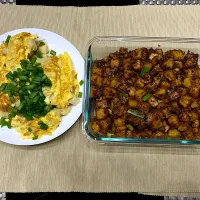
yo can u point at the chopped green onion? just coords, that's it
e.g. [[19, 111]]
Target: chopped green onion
[[146, 97], [5, 122], [3, 86], [11, 115], [39, 54], [36, 115], [41, 44], [21, 105], [14, 83], [33, 60], [144, 71], [28, 117], [33, 94], [40, 122], [80, 95], [47, 108], [8, 39], [52, 52], [35, 137], [81, 82], [44, 126], [12, 99], [134, 113], [23, 78], [10, 76], [29, 129], [30, 87], [35, 99], [110, 135], [12, 109], [130, 127], [23, 63]]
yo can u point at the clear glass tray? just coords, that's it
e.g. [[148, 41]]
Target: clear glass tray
[[99, 47]]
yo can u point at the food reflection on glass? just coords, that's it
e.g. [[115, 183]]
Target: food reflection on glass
[[146, 93], [37, 87]]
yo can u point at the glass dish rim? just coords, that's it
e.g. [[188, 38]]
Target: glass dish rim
[[144, 141]]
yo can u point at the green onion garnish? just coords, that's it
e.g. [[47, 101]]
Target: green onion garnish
[[8, 39], [80, 94], [144, 71], [41, 44], [146, 97], [5, 122], [23, 63], [33, 60], [130, 127], [23, 78], [39, 54], [10, 76], [134, 113], [29, 129], [35, 137], [12, 99], [110, 135], [52, 52], [81, 82]]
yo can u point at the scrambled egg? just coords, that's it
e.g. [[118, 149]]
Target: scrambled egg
[[62, 94], [52, 118]]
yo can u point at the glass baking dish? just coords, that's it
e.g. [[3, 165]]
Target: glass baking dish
[[99, 47]]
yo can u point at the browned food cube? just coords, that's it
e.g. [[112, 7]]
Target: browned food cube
[[165, 84], [137, 66], [185, 101], [193, 115], [101, 103], [159, 135], [114, 63], [139, 94], [115, 83], [187, 82], [153, 101], [137, 53], [195, 104], [173, 120], [101, 113], [160, 93], [106, 81], [95, 127], [169, 74], [159, 51], [168, 64], [174, 133], [95, 92], [183, 127], [175, 54], [132, 103], [191, 59], [97, 70], [120, 131], [96, 80], [131, 91], [194, 92], [109, 92], [195, 124], [139, 83], [119, 122], [105, 125]]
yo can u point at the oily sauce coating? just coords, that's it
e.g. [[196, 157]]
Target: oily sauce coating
[[146, 93]]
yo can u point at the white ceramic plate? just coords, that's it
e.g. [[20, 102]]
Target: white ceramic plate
[[60, 45]]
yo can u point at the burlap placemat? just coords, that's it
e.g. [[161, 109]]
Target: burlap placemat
[[71, 162]]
